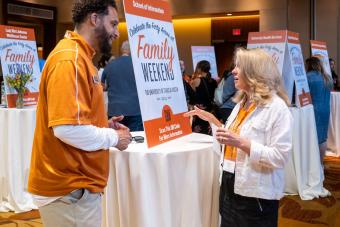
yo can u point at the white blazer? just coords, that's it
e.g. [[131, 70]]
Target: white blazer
[[261, 174]]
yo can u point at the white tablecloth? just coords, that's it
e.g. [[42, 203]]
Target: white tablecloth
[[303, 173], [174, 184], [16, 137], [333, 142]]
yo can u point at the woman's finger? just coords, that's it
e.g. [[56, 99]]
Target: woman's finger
[[190, 113], [221, 130]]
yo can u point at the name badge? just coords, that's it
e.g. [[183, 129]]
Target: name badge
[[229, 165]]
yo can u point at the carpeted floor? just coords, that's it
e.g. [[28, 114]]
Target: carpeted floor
[[318, 212], [293, 211]]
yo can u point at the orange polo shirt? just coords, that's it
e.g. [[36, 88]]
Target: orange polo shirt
[[70, 94]]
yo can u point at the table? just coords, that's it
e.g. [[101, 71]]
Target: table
[[333, 141], [16, 137], [174, 184], [175, 190], [303, 173], [184, 189]]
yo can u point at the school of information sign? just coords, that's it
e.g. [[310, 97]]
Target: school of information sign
[[156, 66]]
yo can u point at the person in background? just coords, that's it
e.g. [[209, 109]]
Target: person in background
[[41, 63], [204, 87], [229, 91], [320, 85], [185, 76], [103, 61], [256, 142], [336, 80], [121, 88], [189, 92], [40, 57], [70, 158]]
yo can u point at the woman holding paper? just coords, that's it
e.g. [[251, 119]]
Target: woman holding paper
[[256, 142]]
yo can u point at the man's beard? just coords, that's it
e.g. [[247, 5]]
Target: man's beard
[[103, 37]]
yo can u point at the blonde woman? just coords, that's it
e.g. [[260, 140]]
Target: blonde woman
[[256, 142]]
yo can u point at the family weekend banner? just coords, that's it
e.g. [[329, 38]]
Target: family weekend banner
[[319, 48], [207, 53], [284, 47], [157, 71], [19, 54]]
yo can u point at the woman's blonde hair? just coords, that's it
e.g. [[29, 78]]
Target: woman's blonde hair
[[261, 75]]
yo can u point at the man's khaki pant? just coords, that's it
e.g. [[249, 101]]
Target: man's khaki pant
[[80, 208]]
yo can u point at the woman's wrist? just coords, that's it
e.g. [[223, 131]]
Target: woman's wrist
[[215, 121], [244, 145]]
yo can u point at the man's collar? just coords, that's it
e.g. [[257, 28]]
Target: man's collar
[[89, 50]]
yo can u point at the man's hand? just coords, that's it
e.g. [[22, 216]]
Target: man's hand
[[124, 138], [114, 122]]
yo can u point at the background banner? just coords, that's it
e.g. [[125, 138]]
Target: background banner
[[207, 53], [284, 47], [19, 54], [319, 48], [297, 66], [157, 71]]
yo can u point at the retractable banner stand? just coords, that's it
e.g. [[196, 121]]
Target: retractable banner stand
[[207, 53], [18, 52], [157, 71], [284, 47], [319, 48]]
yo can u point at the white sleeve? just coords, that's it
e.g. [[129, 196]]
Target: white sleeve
[[277, 152], [86, 137]]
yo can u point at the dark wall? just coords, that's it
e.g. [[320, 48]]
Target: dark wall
[[225, 42], [45, 29]]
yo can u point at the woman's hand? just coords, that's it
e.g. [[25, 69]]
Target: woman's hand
[[204, 115], [224, 136]]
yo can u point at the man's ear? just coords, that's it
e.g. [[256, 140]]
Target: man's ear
[[94, 19]]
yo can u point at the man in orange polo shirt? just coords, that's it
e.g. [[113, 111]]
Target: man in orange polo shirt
[[69, 165]]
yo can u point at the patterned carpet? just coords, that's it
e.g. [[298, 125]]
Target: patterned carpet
[[318, 212], [293, 211]]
